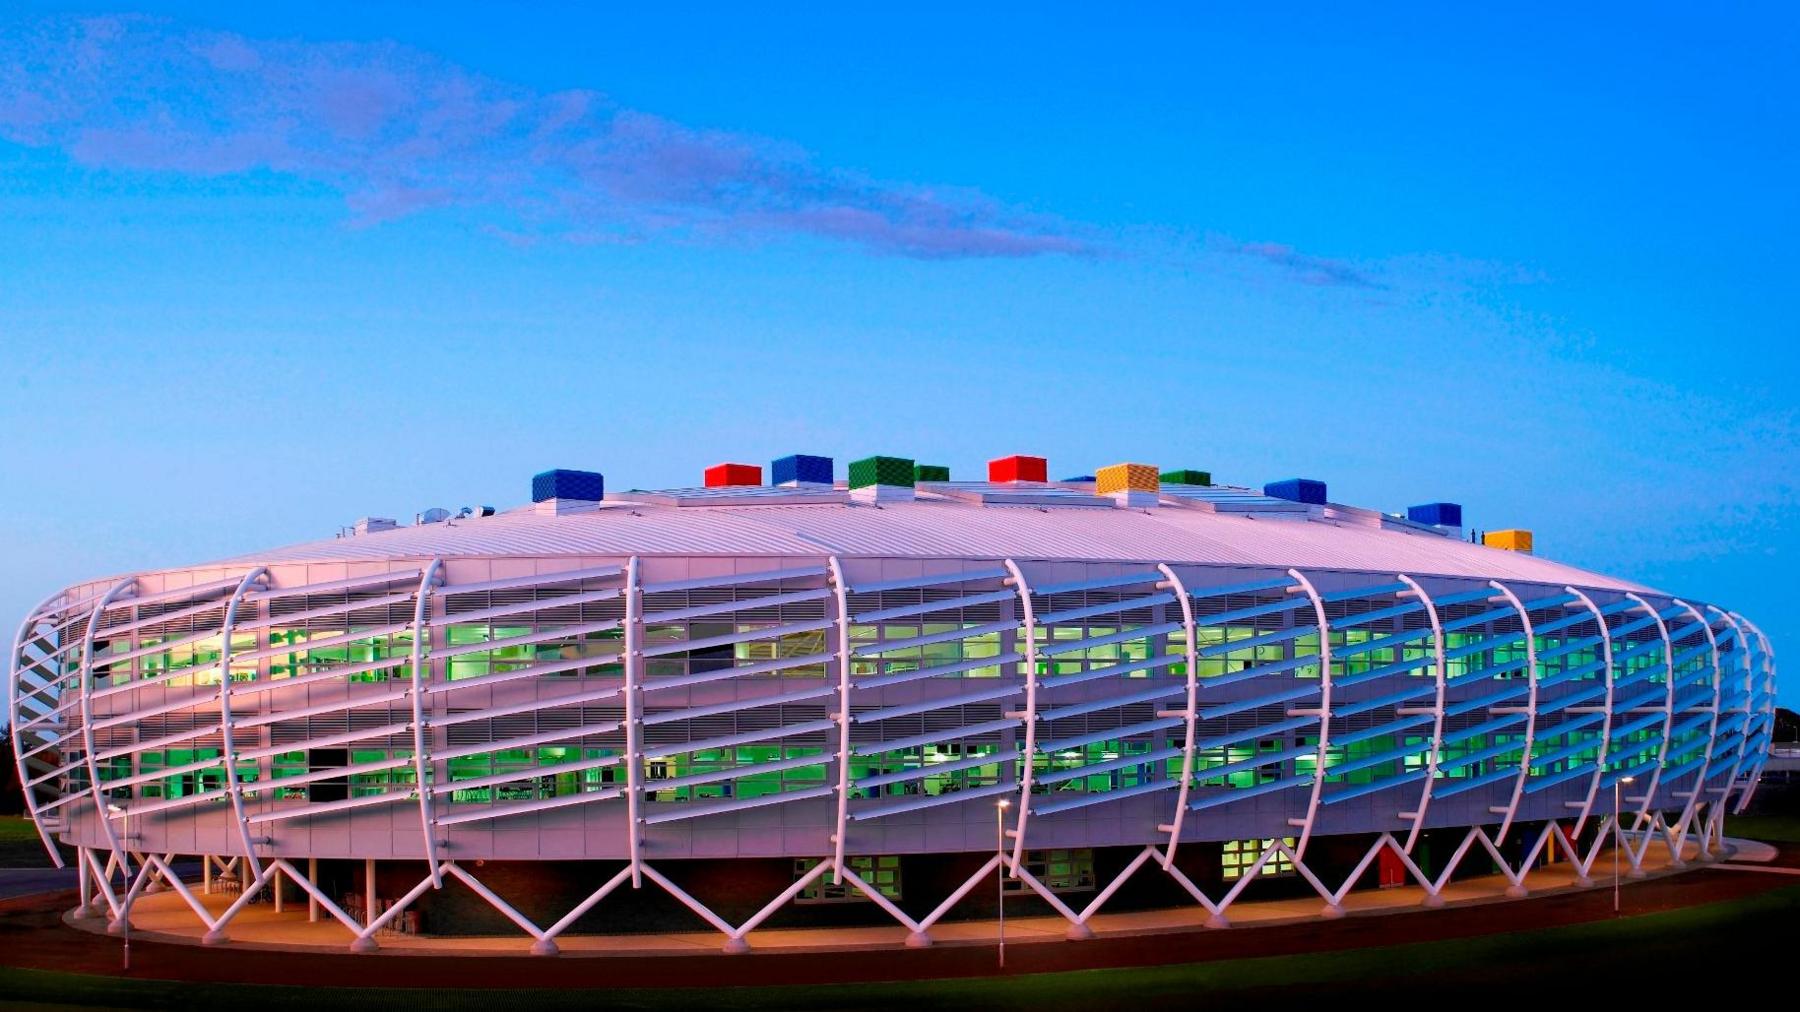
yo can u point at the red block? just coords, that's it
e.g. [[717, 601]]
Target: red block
[[724, 475], [1018, 469]]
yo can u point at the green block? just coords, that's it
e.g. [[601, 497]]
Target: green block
[[881, 471], [930, 472], [1187, 477]]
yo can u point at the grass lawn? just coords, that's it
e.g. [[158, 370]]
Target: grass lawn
[[19, 844], [1783, 827], [1582, 960]]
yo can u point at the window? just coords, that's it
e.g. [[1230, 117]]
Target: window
[[1061, 871], [881, 872], [1240, 856]]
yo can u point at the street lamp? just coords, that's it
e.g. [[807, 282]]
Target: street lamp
[[1618, 838], [125, 865], [1000, 808]]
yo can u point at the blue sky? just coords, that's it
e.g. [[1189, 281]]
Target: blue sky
[[1535, 261]]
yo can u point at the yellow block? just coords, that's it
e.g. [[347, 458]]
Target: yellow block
[[1512, 541], [1127, 478]]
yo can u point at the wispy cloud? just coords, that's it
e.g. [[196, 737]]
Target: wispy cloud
[[1307, 269], [399, 131]]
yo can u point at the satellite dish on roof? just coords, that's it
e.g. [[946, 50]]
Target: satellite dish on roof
[[434, 515]]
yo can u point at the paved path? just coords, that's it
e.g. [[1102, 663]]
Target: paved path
[[15, 882]]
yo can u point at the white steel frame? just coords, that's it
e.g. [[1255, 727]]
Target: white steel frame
[[38, 652]]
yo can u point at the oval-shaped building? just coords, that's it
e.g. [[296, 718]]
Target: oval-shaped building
[[803, 699]]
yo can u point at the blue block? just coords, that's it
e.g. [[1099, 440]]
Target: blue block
[[1440, 514], [1297, 490], [1080, 477], [561, 484], [800, 467]]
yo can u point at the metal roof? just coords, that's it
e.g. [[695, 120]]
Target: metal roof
[[944, 527]]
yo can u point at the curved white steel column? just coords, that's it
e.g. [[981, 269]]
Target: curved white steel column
[[87, 710], [1442, 684], [1028, 771], [1743, 742], [1662, 750], [634, 717], [14, 718], [1606, 719], [1712, 728], [841, 595], [1190, 715], [1318, 784], [1768, 713], [1531, 693], [227, 741], [421, 761]]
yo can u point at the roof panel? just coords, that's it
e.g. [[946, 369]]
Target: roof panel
[[943, 527]]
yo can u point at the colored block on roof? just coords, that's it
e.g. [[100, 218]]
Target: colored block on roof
[[565, 484], [1303, 490], [1439, 514], [1186, 477], [726, 475], [881, 471], [1019, 468], [1126, 478], [1509, 540], [930, 472], [800, 468]]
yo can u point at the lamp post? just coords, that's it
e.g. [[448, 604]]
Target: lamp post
[[1000, 808], [1618, 839], [125, 866]]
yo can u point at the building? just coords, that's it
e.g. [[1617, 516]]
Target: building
[[808, 700]]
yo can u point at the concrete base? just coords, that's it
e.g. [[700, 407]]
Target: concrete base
[[1634, 873], [1218, 921], [1584, 883], [1078, 933], [1432, 901], [115, 926], [544, 947], [214, 937], [918, 940], [736, 946], [1517, 891], [363, 946], [1331, 911]]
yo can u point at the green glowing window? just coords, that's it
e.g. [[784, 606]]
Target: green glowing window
[[1061, 871], [881, 872], [1239, 856]]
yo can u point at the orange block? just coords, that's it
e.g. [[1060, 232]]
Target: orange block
[[1511, 540], [1127, 478]]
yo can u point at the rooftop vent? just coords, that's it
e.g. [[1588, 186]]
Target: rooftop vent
[[587, 486], [800, 469], [1437, 514], [1019, 468], [1509, 540], [434, 515], [930, 472], [1185, 476], [729, 475], [1134, 485], [1303, 490], [881, 479], [370, 525]]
